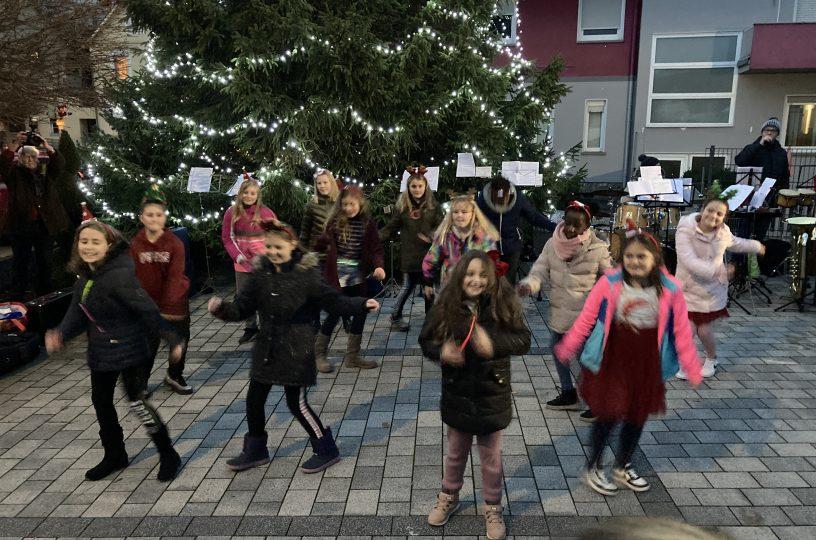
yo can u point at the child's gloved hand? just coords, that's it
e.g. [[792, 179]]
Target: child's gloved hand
[[481, 342], [451, 355], [523, 289], [214, 304], [372, 305]]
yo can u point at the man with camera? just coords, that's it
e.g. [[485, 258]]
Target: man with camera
[[35, 214]]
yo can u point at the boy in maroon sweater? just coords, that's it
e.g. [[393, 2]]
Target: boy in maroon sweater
[[159, 258]]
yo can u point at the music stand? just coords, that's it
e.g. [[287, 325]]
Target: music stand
[[750, 176]]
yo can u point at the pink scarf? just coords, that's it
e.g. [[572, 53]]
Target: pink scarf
[[566, 248]]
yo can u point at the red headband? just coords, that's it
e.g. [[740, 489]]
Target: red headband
[[273, 225], [581, 207], [633, 230], [417, 171], [501, 266]]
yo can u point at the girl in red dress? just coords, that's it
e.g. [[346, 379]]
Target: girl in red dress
[[634, 330]]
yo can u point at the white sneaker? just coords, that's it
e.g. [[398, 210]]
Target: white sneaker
[[709, 367], [681, 375], [627, 477], [596, 479]]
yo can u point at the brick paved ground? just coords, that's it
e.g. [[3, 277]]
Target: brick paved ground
[[738, 453]]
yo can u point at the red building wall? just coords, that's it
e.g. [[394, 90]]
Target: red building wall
[[550, 27]]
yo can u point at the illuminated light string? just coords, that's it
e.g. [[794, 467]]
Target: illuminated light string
[[517, 62]]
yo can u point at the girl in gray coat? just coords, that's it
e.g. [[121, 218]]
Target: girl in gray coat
[[571, 262]]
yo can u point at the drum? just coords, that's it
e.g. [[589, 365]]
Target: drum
[[787, 198], [634, 211], [669, 218], [616, 240], [807, 197]]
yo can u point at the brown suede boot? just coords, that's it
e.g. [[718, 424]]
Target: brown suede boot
[[353, 358], [321, 353]]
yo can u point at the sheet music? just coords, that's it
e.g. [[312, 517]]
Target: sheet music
[[432, 175], [465, 165], [199, 180], [742, 193], [233, 191], [522, 173], [484, 172], [762, 193]]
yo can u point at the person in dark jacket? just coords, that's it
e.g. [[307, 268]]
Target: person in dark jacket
[[504, 206], [35, 214], [119, 317], [284, 288], [160, 258], [416, 216], [766, 152], [354, 253], [473, 329]]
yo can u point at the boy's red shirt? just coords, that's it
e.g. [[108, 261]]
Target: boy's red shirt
[[160, 270]]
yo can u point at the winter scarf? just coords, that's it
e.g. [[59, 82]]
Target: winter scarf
[[567, 248]]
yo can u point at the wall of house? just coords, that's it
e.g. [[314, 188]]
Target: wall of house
[[757, 96]]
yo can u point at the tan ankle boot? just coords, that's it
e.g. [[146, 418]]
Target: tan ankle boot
[[321, 353], [494, 522], [353, 358]]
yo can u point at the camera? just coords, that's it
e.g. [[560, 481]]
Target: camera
[[33, 138]]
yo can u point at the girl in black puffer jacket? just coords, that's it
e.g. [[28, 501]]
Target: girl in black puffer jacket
[[474, 328], [285, 289], [120, 319]]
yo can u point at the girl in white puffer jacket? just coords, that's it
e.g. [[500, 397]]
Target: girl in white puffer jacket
[[702, 240]]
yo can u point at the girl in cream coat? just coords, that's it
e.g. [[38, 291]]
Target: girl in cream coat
[[702, 240], [570, 263]]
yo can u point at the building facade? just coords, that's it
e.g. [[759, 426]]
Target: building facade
[[671, 79]]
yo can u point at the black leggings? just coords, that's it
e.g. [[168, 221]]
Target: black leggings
[[103, 384], [175, 369], [409, 283], [357, 322], [629, 437], [295, 400]]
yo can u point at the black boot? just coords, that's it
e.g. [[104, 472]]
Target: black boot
[[254, 454], [566, 401], [169, 460], [115, 459], [249, 335], [325, 455]]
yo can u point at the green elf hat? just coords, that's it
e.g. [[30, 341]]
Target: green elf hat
[[154, 194]]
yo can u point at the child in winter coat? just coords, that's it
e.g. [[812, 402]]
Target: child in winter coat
[[242, 236], [465, 228], [159, 256], [284, 288], [473, 329], [633, 330], [353, 253], [416, 215], [505, 206], [570, 263], [119, 317], [318, 209], [702, 240]]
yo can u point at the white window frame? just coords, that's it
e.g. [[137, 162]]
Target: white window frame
[[602, 148], [513, 39], [796, 99], [581, 38], [732, 95]]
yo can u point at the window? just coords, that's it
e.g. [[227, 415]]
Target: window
[[693, 80], [600, 20], [594, 125], [701, 163], [55, 127], [505, 21], [800, 121], [87, 127], [120, 67], [805, 11]]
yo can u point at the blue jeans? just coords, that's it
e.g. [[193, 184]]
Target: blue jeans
[[564, 374]]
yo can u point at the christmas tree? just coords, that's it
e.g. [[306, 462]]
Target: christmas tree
[[360, 87]]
